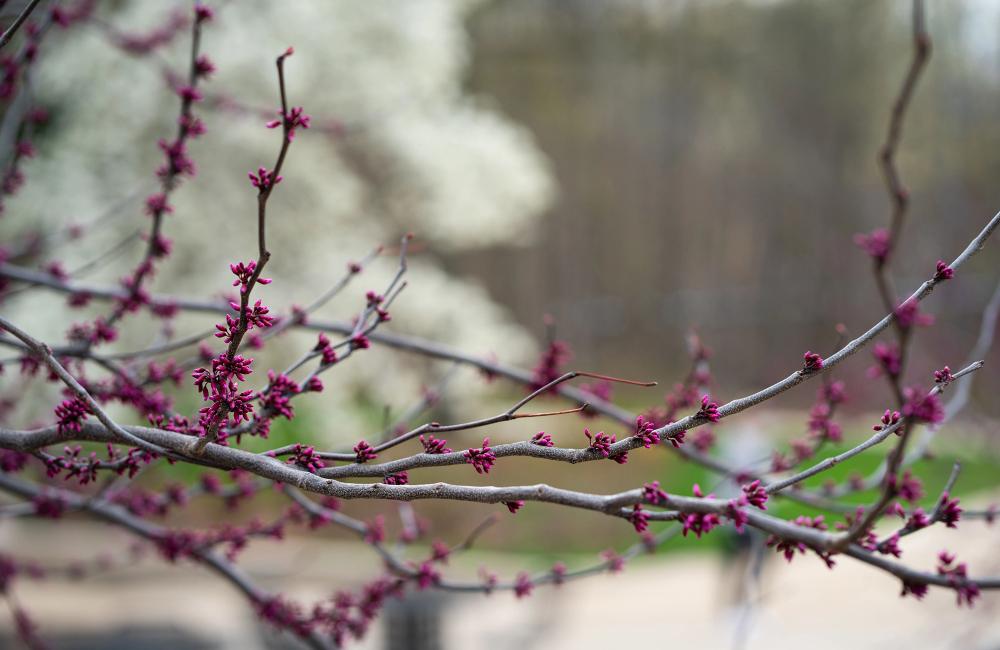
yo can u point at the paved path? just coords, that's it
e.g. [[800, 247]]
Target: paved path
[[675, 601]]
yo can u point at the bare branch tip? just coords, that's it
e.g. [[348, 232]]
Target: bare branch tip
[[548, 413], [619, 380]]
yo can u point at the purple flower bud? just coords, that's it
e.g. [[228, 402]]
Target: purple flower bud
[[203, 66], [70, 415], [156, 204], [889, 418], [909, 487], [264, 179], [917, 589], [440, 552], [908, 314], [202, 13], [189, 94], [949, 511], [943, 376], [918, 519], [558, 573], [734, 512], [697, 522], [489, 580], [542, 439], [943, 272], [375, 530], [891, 546], [427, 576], [652, 494], [645, 432], [364, 452], [756, 495], [922, 406], [709, 410], [523, 585], [305, 457], [481, 459], [556, 355], [614, 562], [400, 478], [639, 518], [889, 359], [704, 439], [434, 445], [876, 244], [811, 362], [600, 443]]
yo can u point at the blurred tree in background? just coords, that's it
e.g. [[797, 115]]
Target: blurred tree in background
[[397, 145]]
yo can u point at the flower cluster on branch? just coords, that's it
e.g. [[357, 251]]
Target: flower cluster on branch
[[48, 474]]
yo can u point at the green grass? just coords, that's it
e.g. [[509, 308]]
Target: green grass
[[978, 473]]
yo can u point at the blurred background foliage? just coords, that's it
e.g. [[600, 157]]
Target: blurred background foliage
[[714, 160]]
